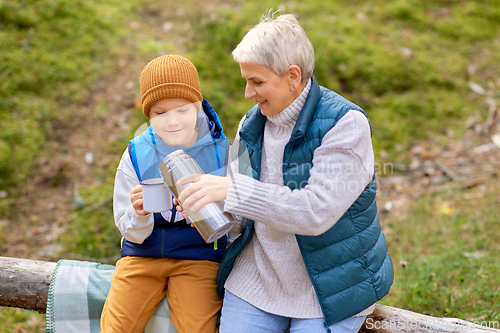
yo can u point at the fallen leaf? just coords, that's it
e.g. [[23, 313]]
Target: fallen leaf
[[167, 27], [406, 51], [496, 140], [446, 210], [473, 182], [89, 158], [476, 88], [361, 16], [483, 148]]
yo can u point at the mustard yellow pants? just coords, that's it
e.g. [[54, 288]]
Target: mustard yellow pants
[[139, 284]]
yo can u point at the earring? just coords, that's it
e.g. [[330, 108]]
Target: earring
[[293, 88]]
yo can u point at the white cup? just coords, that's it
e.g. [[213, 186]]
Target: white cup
[[156, 196]]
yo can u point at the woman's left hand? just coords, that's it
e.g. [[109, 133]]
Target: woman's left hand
[[203, 190]]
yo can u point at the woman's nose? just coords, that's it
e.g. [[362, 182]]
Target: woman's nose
[[249, 92]]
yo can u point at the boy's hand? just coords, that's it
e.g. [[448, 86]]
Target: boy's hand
[[203, 190], [136, 199], [179, 208]]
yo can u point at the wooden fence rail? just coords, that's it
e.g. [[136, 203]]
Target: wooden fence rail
[[25, 284]]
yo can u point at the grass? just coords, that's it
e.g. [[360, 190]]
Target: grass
[[21, 321], [408, 63], [44, 47], [445, 252]]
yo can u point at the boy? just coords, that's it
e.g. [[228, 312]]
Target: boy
[[161, 254]]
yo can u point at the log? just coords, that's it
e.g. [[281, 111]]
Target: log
[[25, 284], [387, 319]]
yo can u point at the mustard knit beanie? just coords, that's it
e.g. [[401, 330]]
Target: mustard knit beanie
[[169, 76]]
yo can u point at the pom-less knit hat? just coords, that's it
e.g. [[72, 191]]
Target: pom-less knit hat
[[169, 76]]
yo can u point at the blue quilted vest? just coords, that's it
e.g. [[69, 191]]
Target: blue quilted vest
[[349, 265], [170, 238]]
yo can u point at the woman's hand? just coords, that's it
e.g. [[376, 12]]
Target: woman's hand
[[137, 201], [203, 190]]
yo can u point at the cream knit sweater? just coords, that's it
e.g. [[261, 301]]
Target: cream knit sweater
[[270, 272]]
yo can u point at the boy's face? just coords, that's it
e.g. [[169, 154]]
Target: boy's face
[[174, 120]]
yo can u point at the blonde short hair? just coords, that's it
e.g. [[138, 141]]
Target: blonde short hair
[[277, 43]]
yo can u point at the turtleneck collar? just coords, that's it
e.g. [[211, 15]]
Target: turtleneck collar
[[288, 117]]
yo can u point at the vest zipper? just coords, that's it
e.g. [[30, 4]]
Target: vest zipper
[[174, 214], [162, 243]]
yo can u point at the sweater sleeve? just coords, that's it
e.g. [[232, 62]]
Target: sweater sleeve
[[342, 167], [133, 227]]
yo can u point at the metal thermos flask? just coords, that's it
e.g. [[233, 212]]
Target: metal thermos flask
[[211, 221]]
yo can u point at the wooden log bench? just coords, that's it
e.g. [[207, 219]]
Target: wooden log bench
[[25, 284]]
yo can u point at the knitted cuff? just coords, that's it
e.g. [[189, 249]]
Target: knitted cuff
[[246, 197]]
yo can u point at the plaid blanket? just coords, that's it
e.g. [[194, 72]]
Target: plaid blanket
[[76, 297]]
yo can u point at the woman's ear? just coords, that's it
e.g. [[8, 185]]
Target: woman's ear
[[294, 76]]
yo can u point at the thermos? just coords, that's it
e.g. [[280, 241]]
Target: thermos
[[211, 221]]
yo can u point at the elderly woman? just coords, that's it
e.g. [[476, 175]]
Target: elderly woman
[[312, 255]]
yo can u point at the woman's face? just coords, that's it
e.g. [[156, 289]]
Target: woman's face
[[273, 93], [174, 120]]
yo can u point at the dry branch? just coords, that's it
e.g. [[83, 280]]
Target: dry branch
[[25, 284]]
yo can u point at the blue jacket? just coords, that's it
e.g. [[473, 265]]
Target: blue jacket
[[178, 240], [349, 265]]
